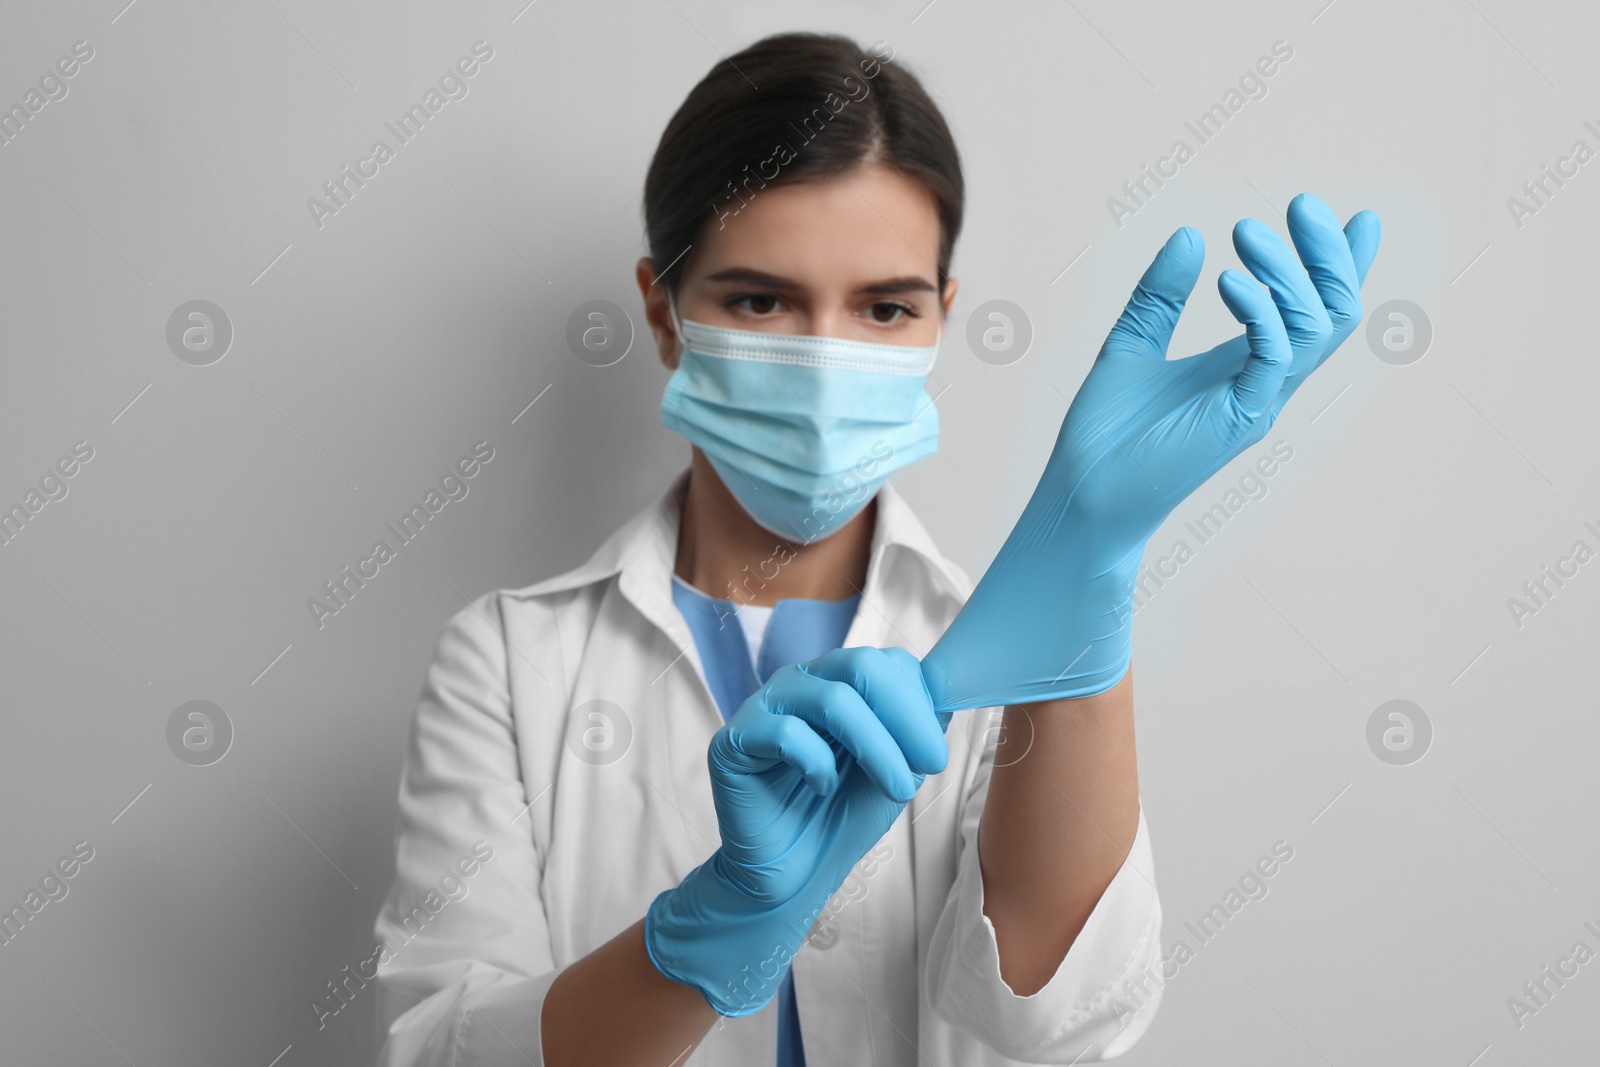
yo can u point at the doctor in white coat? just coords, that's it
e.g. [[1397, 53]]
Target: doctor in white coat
[[696, 801], [559, 750]]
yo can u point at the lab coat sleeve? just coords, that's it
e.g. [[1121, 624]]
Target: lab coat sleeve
[[1103, 994], [469, 958]]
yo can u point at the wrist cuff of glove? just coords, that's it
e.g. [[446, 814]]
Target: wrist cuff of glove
[[1082, 647], [1098, 634], [1110, 667], [713, 936]]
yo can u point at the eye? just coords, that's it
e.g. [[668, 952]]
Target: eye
[[755, 303], [889, 312]]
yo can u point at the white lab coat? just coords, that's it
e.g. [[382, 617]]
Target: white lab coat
[[588, 819]]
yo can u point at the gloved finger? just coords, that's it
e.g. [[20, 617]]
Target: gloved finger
[[1259, 380], [1276, 266], [912, 667], [896, 696], [758, 739], [1362, 233], [836, 710], [1146, 324], [1325, 254]]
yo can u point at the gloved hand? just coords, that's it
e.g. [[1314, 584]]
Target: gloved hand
[[1052, 616], [806, 776]]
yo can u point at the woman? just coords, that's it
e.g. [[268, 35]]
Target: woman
[[698, 800]]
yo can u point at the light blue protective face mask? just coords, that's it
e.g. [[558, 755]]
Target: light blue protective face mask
[[803, 430]]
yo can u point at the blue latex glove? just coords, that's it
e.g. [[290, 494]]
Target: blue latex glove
[[806, 776], [1052, 617]]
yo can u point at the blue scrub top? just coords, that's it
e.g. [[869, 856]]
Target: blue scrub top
[[797, 630]]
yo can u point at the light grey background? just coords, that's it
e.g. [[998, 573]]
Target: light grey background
[[369, 354]]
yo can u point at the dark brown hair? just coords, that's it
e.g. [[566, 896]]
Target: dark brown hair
[[820, 100]]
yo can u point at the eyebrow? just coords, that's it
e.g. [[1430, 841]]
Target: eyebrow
[[910, 283]]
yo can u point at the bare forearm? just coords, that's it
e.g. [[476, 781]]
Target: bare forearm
[[614, 1007], [1057, 824]]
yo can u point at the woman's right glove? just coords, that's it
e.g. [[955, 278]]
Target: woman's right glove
[[806, 776]]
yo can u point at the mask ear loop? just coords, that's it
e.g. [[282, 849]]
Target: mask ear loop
[[677, 326], [938, 342]]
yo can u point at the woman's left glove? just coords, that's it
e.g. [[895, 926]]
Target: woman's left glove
[[1052, 617], [806, 776]]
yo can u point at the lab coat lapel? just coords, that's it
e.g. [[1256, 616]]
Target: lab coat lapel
[[681, 713]]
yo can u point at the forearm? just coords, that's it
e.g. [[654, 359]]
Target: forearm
[[1057, 824], [614, 1007]]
